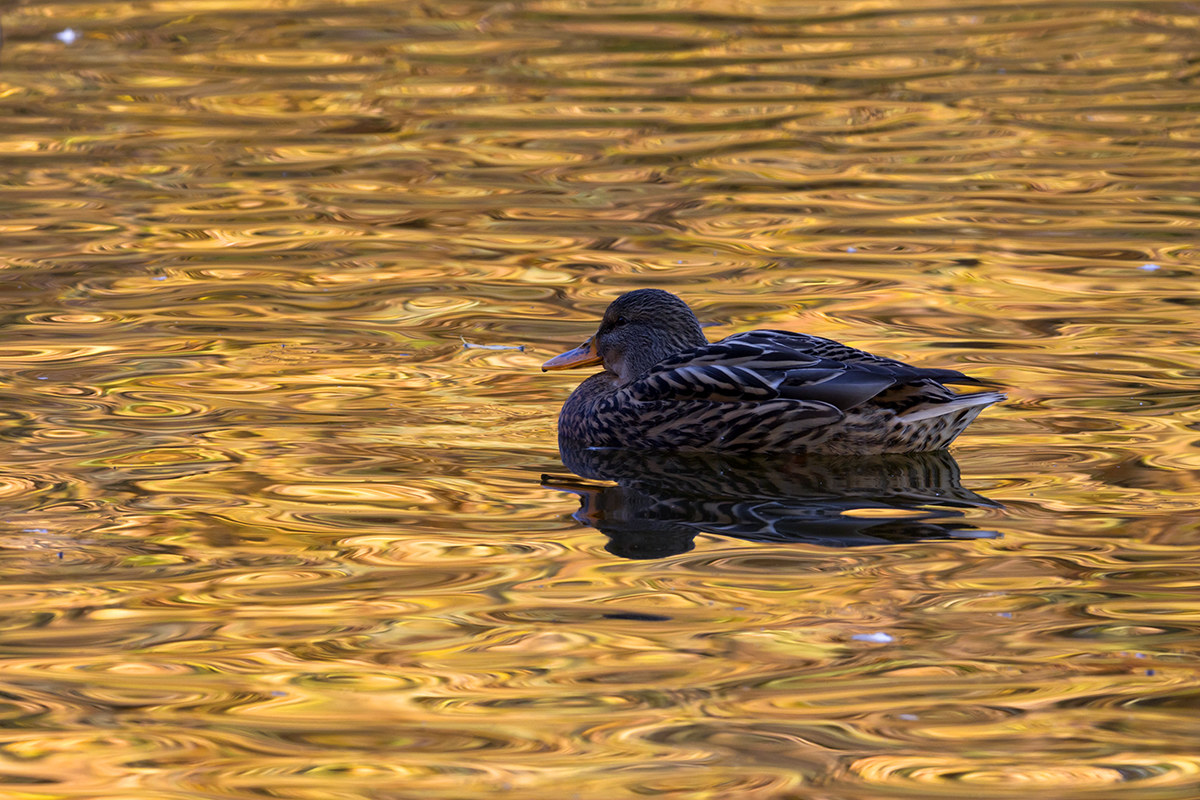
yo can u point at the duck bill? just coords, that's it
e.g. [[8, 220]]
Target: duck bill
[[583, 356]]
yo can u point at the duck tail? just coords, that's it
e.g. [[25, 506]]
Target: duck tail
[[977, 401]]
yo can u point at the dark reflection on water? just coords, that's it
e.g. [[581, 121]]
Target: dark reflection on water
[[661, 501]]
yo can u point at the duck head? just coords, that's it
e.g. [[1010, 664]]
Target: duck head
[[639, 329]]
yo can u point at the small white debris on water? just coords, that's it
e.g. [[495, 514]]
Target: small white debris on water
[[1149, 267], [67, 35], [877, 636], [472, 346]]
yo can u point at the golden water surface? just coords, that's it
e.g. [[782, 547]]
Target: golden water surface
[[283, 512]]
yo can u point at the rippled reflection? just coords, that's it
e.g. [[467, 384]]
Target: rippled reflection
[[661, 501], [269, 530]]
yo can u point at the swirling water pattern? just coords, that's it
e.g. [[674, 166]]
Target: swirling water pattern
[[271, 530]]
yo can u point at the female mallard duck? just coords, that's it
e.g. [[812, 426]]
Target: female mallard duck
[[665, 387]]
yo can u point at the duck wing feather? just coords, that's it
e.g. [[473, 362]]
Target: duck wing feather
[[768, 365]]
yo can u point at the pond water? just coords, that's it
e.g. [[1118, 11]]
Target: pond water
[[275, 526]]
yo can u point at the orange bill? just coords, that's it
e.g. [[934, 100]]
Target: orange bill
[[583, 356]]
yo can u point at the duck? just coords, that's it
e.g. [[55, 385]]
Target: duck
[[663, 386]]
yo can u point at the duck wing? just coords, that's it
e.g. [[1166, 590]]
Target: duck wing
[[767, 365], [815, 346]]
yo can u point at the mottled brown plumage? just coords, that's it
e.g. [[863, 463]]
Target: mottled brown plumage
[[665, 387]]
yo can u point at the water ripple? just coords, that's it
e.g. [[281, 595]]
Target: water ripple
[[270, 528]]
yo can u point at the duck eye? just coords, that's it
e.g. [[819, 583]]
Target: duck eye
[[620, 321]]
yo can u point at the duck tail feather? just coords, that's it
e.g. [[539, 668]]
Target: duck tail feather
[[977, 400]]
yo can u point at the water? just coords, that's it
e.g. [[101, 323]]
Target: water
[[271, 530]]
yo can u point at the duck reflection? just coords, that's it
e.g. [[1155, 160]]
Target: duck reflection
[[662, 500]]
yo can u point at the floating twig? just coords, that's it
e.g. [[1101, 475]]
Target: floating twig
[[472, 346]]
